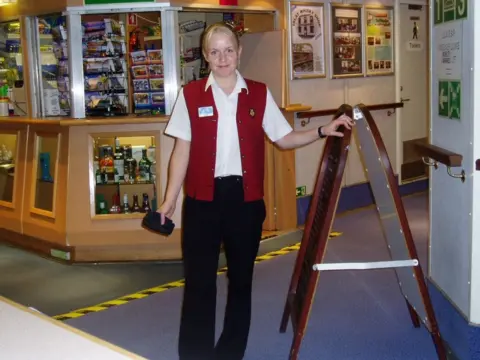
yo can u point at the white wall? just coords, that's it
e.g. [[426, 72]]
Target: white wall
[[453, 243], [327, 93]]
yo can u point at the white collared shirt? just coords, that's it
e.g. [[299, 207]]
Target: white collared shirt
[[228, 161]]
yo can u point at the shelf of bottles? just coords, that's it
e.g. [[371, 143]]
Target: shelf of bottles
[[53, 39], [125, 175], [12, 91]]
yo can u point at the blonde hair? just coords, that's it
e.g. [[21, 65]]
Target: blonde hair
[[220, 27]]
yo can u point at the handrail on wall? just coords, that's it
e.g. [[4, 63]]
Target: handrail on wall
[[441, 155], [327, 112]]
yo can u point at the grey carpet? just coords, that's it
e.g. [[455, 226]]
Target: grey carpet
[[356, 315], [55, 288]]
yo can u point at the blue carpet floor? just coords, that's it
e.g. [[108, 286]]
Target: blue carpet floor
[[357, 315]]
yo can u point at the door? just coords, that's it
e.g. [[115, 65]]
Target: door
[[414, 77]]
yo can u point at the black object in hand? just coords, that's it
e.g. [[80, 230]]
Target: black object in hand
[[153, 221]]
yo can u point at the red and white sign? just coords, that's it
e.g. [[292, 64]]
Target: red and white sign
[[228, 2], [132, 20]]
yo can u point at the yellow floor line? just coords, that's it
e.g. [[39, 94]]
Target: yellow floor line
[[175, 284]]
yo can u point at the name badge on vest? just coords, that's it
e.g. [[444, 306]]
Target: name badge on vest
[[205, 111]]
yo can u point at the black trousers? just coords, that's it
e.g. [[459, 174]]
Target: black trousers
[[206, 224]]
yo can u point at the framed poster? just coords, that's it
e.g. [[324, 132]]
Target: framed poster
[[307, 40], [347, 35], [379, 52]]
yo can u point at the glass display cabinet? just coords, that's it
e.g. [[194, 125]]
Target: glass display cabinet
[[12, 89], [125, 171], [8, 152], [46, 148]]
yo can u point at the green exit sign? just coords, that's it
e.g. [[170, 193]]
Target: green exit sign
[[449, 10], [301, 191]]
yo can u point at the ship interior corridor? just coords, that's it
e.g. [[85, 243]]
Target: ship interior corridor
[[356, 314]]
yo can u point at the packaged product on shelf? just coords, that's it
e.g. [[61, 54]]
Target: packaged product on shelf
[[156, 84], [138, 57], [139, 71], [155, 70], [96, 83], [158, 99], [155, 56], [105, 67], [141, 99], [140, 85]]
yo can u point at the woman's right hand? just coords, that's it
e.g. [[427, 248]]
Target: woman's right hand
[[167, 209]]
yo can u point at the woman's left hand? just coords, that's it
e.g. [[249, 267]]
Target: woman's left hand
[[331, 129]]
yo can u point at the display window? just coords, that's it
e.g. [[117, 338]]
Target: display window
[[53, 58], [12, 89], [125, 175], [47, 146], [8, 150]]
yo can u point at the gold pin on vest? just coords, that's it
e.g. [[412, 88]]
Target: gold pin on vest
[[252, 113]]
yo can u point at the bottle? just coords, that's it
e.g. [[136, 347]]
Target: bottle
[[153, 163], [103, 208], [104, 176], [154, 199], [98, 177], [116, 176], [131, 165], [106, 162], [126, 207], [146, 204], [144, 167], [119, 160], [115, 209], [135, 207]]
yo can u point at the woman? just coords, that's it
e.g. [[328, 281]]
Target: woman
[[219, 124]]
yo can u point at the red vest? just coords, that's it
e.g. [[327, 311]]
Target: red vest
[[199, 180]]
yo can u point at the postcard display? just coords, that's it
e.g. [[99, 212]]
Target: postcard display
[[105, 69], [54, 65]]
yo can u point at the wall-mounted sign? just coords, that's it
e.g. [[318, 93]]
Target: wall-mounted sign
[[307, 34], [449, 10], [414, 45], [347, 48], [448, 50], [379, 41]]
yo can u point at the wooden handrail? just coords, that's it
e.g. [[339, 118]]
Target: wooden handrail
[[439, 154], [327, 112]]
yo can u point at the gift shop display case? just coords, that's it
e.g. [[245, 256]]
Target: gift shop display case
[[83, 154]]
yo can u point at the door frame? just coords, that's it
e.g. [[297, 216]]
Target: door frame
[[398, 73]]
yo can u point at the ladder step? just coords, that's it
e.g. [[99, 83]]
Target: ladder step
[[366, 265]]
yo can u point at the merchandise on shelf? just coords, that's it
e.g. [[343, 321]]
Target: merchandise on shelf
[[54, 64], [147, 81], [106, 84], [192, 63], [122, 169]]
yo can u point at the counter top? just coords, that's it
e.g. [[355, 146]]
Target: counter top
[[116, 120], [65, 121], [120, 120]]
